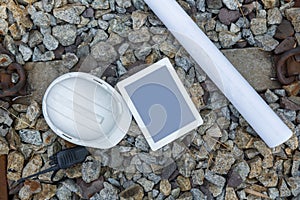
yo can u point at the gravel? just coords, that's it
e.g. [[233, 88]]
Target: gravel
[[35, 38], [91, 169], [258, 26], [69, 13], [31, 136], [146, 184], [65, 34], [41, 19], [215, 179], [50, 42], [25, 51], [3, 27], [4, 149], [223, 159], [266, 42]]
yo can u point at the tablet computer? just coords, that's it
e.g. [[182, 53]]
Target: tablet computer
[[160, 104]]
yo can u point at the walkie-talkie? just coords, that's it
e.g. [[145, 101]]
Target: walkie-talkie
[[62, 160]]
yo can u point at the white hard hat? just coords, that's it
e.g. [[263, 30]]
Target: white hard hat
[[86, 110]]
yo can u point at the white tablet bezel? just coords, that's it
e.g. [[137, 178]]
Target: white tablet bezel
[[176, 134]]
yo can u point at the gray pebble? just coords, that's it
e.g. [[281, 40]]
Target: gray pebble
[[217, 100], [271, 97], [31, 136], [147, 185], [123, 48], [210, 25], [4, 149], [274, 16], [200, 4], [272, 30], [221, 27], [124, 3], [48, 5], [258, 26], [108, 17], [69, 13], [6, 120], [121, 70], [35, 38], [261, 13], [45, 31], [103, 24], [214, 4], [197, 194], [295, 168], [3, 13], [243, 22], [231, 4], [138, 36], [66, 34], [3, 27], [144, 168], [155, 193], [280, 92], [25, 37], [10, 45], [120, 10], [39, 56], [83, 51], [138, 4], [69, 60], [234, 28], [289, 114], [109, 192], [63, 193], [198, 177], [138, 19], [153, 177], [101, 35], [294, 183], [91, 169], [215, 179], [228, 39], [273, 193], [223, 162], [33, 111], [186, 164], [284, 191], [104, 52], [114, 182], [102, 5], [41, 19], [143, 51], [267, 42], [50, 42], [247, 34], [117, 26]]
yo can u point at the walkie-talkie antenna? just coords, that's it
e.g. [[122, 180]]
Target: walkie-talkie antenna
[[54, 168], [61, 160]]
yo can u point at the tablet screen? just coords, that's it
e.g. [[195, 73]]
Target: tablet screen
[[160, 104]]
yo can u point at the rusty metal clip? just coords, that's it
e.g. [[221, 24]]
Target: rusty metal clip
[[7, 87], [288, 66], [3, 180]]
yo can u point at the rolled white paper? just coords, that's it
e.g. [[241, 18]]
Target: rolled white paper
[[237, 90]]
